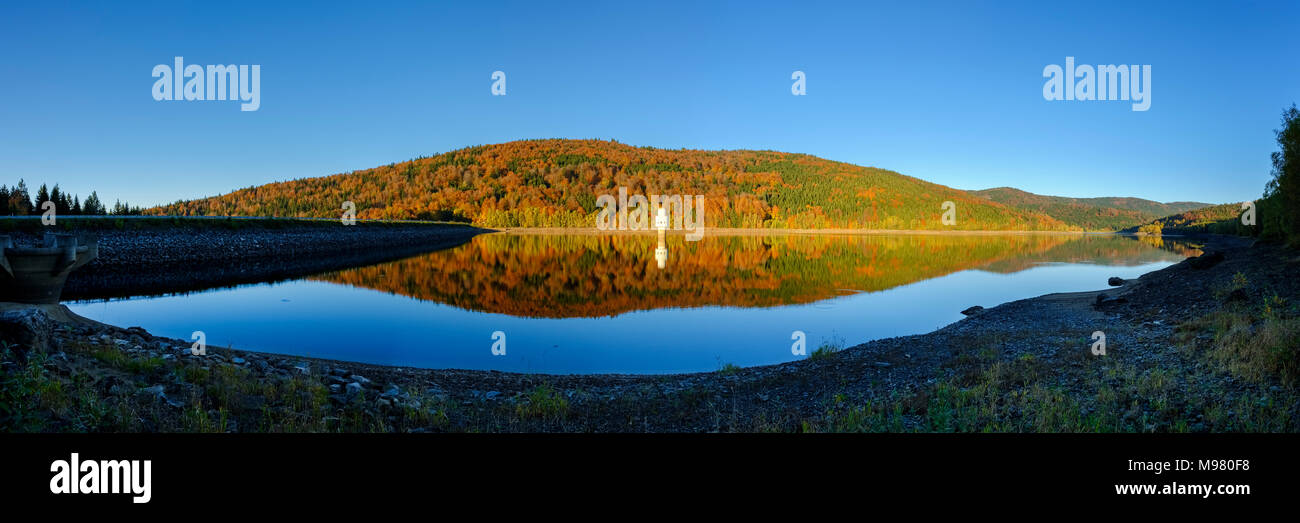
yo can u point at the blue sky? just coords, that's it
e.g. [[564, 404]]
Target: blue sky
[[947, 92]]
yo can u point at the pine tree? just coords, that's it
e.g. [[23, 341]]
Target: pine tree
[[60, 200], [42, 196], [92, 207]]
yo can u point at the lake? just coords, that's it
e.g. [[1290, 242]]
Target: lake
[[627, 303]]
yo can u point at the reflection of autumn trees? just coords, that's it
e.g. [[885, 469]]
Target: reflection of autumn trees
[[1102, 250], [600, 275], [556, 182]]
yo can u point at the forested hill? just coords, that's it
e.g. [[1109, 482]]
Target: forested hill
[[1221, 219], [556, 183], [1093, 214]]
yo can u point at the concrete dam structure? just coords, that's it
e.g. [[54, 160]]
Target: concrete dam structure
[[36, 274]]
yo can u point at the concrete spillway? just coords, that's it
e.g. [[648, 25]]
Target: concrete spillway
[[36, 274]]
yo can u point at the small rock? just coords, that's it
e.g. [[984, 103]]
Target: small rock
[[1115, 281], [354, 388], [158, 391], [973, 310], [238, 361], [436, 394]]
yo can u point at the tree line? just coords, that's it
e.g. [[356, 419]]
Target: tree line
[[18, 201]]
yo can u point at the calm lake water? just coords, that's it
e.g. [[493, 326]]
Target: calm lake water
[[625, 303]]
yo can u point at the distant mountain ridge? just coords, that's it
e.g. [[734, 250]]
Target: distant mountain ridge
[[1093, 214]]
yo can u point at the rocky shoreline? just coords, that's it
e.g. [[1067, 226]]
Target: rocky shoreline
[[1027, 365]]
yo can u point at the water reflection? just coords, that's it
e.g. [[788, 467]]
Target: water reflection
[[564, 276], [584, 303]]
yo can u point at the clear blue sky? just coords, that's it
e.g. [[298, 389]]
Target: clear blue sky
[[950, 92]]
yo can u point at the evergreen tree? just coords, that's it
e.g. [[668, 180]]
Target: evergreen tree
[[60, 200], [42, 196], [92, 206], [1282, 194]]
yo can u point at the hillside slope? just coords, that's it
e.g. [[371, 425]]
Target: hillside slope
[[1093, 214], [556, 183]]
